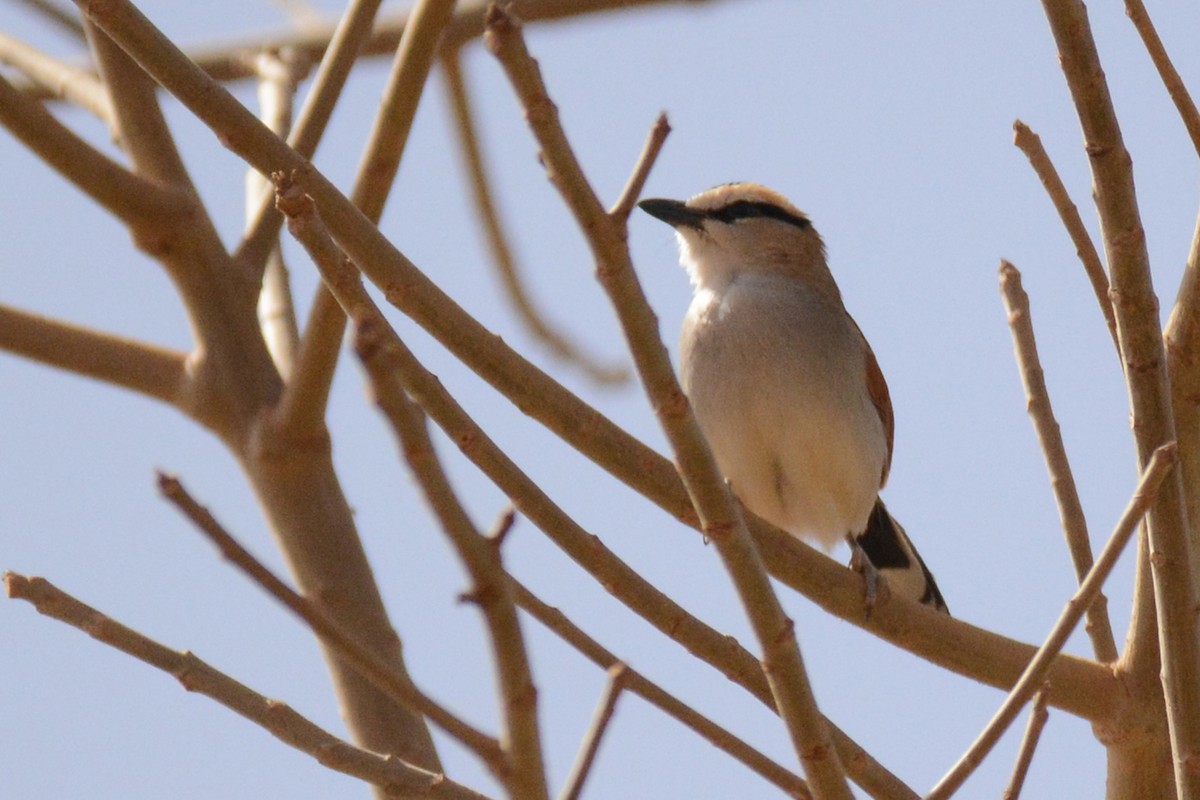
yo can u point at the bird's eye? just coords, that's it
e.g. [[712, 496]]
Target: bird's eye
[[749, 209]]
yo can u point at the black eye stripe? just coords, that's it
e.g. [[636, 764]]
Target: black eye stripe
[[749, 209]]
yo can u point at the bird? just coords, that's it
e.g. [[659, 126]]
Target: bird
[[784, 385]]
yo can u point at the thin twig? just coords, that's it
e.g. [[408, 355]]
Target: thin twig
[[278, 719], [720, 517], [613, 687], [1029, 742], [1175, 554], [1031, 145], [1166, 70], [1161, 464], [1080, 686], [62, 80], [153, 371], [398, 687], [525, 777], [635, 682], [557, 342], [628, 198], [1062, 481]]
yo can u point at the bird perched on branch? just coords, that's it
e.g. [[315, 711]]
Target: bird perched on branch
[[783, 383]]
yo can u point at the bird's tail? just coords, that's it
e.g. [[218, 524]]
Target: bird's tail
[[889, 550]]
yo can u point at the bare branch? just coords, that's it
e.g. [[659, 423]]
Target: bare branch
[[511, 280], [1029, 742], [336, 62], [278, 719], [1031, 145], [637, 179], [64, 19], [1143, 499], [153, 371], [613, 688], [526, 776], [376, 174], [395, 685], [720, 517], [1081, 687], [61, 80], [279, 76], [1174, 561], [1184, 104], [126, 196], [1070, 510]]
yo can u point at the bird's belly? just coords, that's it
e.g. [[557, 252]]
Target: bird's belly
[[807, 461]]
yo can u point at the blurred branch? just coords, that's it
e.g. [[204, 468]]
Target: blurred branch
[[304, 401], [1161, 464], [280, 75], [721, 519], [1070, 511], [582, 767], [278, 719], [557, 342], [1173, 557], [153, 371], [393, 683], [61, 17], [1029, 742], [1079, 686], [1166, 70], [1031, 145], [61, 80], [129, 197], [525, 775], [262, 232]]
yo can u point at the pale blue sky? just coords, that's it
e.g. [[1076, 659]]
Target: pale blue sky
[[890, 126]]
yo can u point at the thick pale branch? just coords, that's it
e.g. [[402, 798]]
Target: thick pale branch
[[128, 197], [720, 517], [62, 80], [1081, 687], [279, 77], [153, 371], [511, 280], [277, 718], [394, 684], [1161, 464], [1172, 556], [1070, 510], [1031, 145]]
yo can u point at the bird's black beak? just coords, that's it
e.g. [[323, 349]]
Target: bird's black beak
[[673, 212]]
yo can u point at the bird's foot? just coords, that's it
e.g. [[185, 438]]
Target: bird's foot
[[860, 563]]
